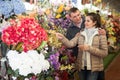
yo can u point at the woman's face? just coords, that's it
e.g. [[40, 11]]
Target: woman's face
[[89, 23]]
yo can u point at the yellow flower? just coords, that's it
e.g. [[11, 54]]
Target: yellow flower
[[62, 67], [112, 40], [69, 67], [103, 20], [47, 11], [98, 1], [58, 16], [32, 14], [52, 39], [60, 9], [110, 30]]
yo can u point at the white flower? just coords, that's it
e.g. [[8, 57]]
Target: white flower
[[14, 59], [45, 65], [27, 62], [11, 54], [27, 79], [25, 70], [14, 78], [36, 68]]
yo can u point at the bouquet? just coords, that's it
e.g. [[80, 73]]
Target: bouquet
[[27, 42], [26, 32], [25, 65]]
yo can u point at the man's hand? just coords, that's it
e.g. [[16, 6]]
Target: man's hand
[[102, 31]]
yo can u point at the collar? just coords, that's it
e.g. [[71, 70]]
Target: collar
[[94, 30]]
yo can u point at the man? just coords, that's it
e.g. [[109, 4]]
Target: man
[[77, 24]]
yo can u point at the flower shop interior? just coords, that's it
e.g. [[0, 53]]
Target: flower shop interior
[[29, 48]]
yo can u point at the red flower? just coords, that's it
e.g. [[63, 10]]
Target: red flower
[[26, 31], [64, 75]]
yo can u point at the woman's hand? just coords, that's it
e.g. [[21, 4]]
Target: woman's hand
[[84, 47], [59, 36]]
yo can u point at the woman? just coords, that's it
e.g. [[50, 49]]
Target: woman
[[92, 48]]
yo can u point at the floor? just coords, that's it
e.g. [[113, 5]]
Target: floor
[[113, 70]]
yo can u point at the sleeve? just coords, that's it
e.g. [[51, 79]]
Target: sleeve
[[70, 43], [102, 51]]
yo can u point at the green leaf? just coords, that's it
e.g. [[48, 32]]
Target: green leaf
[[49, 78], [64, 58], [16, 73], [20, 78], [10, 71], [42, 45]]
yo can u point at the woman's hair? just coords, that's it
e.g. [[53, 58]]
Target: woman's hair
[[95, 18]]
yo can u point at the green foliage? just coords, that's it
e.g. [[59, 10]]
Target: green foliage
[[86, 11], [13, 73], [109, 58], [41, 46], [45, 75]]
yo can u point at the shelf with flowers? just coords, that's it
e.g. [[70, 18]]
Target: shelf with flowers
[[67, 61], [28, 57], [57, 21], [112, 27], [34, 49]]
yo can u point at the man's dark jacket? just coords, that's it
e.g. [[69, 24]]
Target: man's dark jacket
[[71, 32]]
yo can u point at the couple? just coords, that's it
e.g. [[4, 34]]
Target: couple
[[92, 45]]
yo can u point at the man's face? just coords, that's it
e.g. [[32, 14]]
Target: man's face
[[76, 17]]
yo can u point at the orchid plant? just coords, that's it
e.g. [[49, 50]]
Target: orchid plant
[[27, 57]]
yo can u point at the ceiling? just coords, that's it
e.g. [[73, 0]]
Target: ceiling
[[114, 4]]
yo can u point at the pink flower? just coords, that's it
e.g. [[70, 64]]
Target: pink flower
[[26, 31]]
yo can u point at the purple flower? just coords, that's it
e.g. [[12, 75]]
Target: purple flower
[[62, 22], [54, 60]]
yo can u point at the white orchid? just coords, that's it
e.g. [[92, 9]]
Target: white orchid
[[27, 62]]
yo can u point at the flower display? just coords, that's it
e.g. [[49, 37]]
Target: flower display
[[62, 22], [35, 53], [27, 40], [112, 27], [9, 7], [26, 32], [55, 19], [27, 62], [54, 60]]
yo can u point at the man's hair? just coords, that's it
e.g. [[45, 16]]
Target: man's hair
[[72, 10]]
